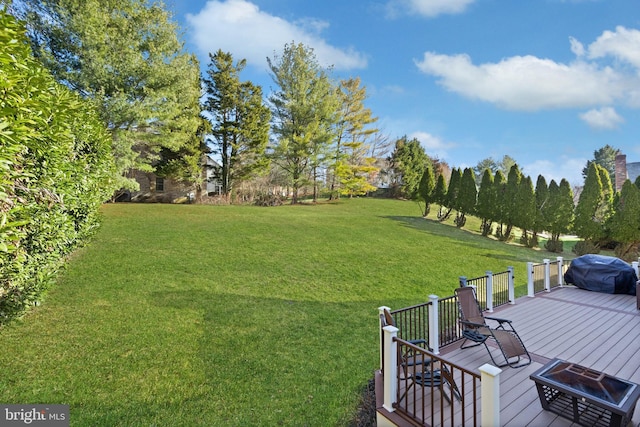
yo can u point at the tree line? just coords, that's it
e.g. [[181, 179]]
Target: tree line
[[127, 59], [311, 132], [601, 217]]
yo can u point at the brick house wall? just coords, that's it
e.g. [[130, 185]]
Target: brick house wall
[[156, 189]]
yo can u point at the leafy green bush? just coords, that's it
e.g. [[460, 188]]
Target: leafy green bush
[[554, 246], [585, 247], [56, 169]]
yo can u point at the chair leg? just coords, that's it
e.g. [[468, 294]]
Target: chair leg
[[447, 378]]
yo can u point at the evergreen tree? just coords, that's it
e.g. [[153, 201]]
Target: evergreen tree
[[187, 164], [526, 211], [304, 113], [589, 223], [408, 162], [440, 197], [467, 197], [510, 212], [240, 121], [605, 210], [126, 57], [625, 222], [426, 188], [486, 202], [488, 164], [542, 198], [499, 214], [559, 213], [604, 157], [454, 188], [351, 164]]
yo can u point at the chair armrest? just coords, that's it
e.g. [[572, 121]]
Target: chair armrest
[[498, 319]]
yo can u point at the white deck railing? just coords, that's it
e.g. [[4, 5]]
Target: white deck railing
[[540, 278]]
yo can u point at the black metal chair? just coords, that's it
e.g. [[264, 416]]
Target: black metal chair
[[476, 330], [417, 367]]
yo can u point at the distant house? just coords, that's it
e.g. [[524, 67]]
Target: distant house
[[157, 189], [625, 171], [211, 170]]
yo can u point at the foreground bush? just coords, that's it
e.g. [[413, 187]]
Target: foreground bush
[[56, 169]]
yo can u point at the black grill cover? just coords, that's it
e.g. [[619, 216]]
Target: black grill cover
[[601, 273]]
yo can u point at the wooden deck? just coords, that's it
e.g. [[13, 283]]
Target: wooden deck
[[595, 330]]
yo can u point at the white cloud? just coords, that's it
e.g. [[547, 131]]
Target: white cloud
[[576, 47], [602, 118], [525, 82], [623, 44], [428, 8], [240, 27], [433, 146], [529, 83]]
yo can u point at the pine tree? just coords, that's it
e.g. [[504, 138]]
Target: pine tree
[[510, 212], [304, 114], [440, 197], [589, 222], [426, 188], [126, 57], [604, 157], [351, 166], [454, 188], [559, 213], [625, 223], [499, 214], [408, 162], [542, 198], [240, 121], [526, 211], [486, 202], [467, 197]]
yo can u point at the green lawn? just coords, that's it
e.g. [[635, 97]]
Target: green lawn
[[185, 315]]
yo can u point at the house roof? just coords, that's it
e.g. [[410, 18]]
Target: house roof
[[633, 171]]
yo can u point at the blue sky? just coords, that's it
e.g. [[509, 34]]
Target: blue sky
[[546, 82]]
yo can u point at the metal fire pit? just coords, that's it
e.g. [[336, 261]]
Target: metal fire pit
[[587, 397]]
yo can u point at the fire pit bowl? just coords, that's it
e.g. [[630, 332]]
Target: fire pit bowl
[[585, 396]]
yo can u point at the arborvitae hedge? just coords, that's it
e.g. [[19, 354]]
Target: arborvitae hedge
[[56, 169]]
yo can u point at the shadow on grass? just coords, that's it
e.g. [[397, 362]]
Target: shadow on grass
[[269, 361], [461, 236]]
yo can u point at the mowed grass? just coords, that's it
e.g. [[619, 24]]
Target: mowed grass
[[193, 315]]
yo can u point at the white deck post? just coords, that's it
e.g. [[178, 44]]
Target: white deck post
[[560, 275], [381, 313], [434, 327], [390, 369], [547, 274], [490, 395], [489, 291], [530, 289], [512, 286]]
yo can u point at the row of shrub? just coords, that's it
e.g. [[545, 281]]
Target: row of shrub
[[56, 169]]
